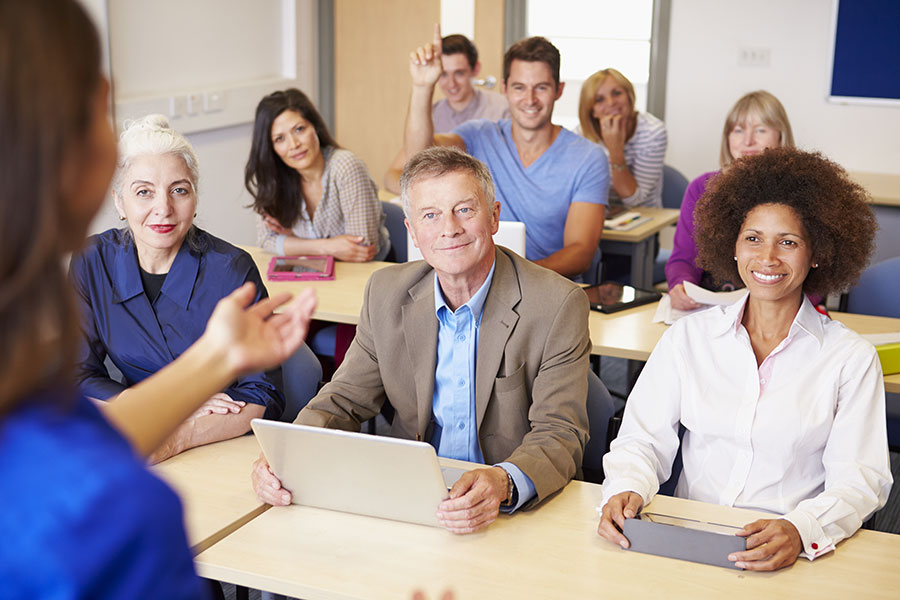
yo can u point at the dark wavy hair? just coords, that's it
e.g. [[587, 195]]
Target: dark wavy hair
[[460, 44], [49, 78], [833, 209], [275, 187]]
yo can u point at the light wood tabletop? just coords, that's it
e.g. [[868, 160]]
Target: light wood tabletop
[[213, 482], [340, 299], [550, 552], [661, 218], [883, 187]]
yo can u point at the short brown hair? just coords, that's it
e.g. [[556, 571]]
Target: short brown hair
[[460, 44], [833, 209], [533, 49], [440, 160]]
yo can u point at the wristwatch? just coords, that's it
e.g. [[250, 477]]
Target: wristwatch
[[510, 489]]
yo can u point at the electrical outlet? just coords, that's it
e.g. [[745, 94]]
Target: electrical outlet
[[754, 57], [177, 106], [214, 101], [194, 104]]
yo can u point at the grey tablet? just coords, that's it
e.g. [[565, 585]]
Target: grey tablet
[[355, 472], [683, 542]]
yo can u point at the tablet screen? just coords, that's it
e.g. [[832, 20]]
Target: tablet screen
[[301, 265], [612, 296]]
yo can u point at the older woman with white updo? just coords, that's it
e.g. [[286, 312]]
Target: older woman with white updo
[[148, 289]]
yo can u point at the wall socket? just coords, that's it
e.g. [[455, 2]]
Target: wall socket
[[754, 57]]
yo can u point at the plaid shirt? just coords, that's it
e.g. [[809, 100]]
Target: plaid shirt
[[349, 205]]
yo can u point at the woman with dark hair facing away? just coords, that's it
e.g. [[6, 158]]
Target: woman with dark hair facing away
[[782, 408], [147, 290], [312, 196], [635, 142], [757, 121], [82, 517]]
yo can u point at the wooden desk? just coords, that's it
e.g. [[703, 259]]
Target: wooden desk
[[884, 188], [213, 482], [550, 552], [340, 300], [630, 334], [638, 243]]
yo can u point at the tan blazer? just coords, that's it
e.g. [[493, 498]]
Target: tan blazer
[[531, 370]]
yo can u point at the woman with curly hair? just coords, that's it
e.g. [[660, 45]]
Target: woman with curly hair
[[782, 409], [312, 196], [757, 121]]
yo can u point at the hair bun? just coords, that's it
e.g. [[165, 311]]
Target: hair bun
[[155, 121]]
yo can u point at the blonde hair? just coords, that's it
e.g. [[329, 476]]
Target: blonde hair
[[770, 112], [152, 135], [590, 126]]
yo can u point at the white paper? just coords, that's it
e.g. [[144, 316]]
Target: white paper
[[668, 315], [704, 296]]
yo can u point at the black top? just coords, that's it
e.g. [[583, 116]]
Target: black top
[[153, 283]]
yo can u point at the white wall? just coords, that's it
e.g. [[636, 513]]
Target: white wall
[[169, 55], [704, 81]]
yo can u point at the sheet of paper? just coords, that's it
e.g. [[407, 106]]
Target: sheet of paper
[[704, 296], [626, 221], [668, 315]]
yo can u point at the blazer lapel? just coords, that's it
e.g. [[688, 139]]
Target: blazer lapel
[[497, 323], [420, 332]]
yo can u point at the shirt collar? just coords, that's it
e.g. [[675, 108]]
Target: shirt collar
[[807, 319], [475, 303], [179, 284]]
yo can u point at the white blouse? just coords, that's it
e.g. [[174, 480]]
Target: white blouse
[[803, 435]]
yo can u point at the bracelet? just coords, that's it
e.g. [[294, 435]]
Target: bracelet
[[618, 167]]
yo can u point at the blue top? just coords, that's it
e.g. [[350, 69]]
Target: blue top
[[82, 517], [141, 338], [456, 431], [571, 170]]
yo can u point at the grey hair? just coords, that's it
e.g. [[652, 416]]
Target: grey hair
[[440, 160], [152, 135]]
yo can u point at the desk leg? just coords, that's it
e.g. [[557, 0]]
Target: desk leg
[[642, 264]]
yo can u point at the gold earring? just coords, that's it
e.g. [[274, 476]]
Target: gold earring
[[121, 218]]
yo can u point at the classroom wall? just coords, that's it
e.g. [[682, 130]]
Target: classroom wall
[[186, 50], [704, 80]]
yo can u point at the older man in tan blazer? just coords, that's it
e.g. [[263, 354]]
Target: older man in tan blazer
[[523, 407]]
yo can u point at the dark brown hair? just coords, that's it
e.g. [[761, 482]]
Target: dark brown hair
[[276, 187], [460, 44], [49, 77], [533, 49], [833, 209]]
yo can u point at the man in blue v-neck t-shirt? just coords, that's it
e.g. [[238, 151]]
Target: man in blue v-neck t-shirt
[[546, 177]]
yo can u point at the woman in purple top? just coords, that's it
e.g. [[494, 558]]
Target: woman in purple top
[[756, 122]]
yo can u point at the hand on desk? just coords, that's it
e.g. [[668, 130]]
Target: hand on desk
[[771, 544], [474, 501], [351, 248], [620, 507], [266, 485]]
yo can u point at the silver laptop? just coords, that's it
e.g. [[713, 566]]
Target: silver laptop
[[355, 472], [510, 234]]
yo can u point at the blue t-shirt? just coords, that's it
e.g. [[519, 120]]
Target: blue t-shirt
[[82, 517], [572, 169]]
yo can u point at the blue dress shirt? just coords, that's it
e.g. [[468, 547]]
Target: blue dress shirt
[[453, 405], [141, 338], [82, 517]]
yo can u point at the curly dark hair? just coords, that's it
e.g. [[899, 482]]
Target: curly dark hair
[[834, 210]]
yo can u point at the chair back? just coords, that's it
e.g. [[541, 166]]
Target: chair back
[[878, 290], [393, 220], [674, 186], [600, 409]]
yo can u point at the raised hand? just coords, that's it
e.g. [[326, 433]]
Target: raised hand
[[425, 61]]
